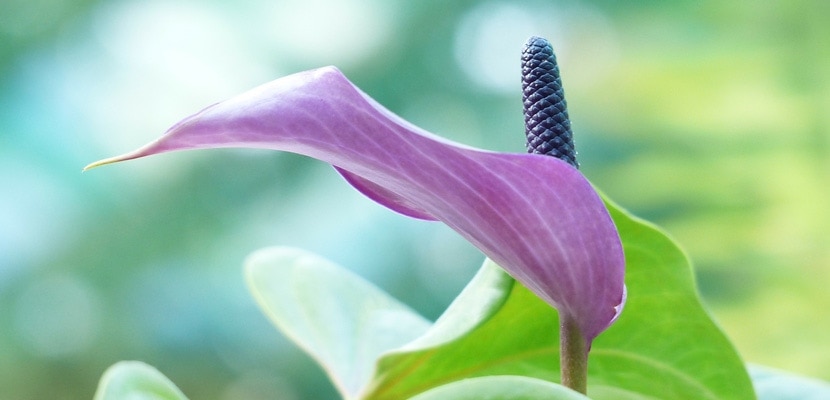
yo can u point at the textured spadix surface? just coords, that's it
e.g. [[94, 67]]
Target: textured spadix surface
[[536, 216]]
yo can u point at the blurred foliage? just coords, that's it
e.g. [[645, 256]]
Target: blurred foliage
[[706, 117]]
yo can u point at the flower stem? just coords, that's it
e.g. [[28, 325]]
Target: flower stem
[[573, 355]]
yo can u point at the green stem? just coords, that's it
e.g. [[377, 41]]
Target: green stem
[[573, 356]]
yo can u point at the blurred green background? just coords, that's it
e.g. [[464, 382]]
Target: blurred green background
[[710, 118]]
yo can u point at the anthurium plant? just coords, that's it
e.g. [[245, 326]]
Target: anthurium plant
[[576, 298]]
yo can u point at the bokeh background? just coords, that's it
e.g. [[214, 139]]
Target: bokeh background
[[710, 118]]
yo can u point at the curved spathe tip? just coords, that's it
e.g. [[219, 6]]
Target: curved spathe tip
[[111, 160]]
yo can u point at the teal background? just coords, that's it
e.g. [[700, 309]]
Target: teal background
[[709, 118]]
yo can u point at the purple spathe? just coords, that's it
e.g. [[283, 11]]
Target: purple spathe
[[536, 216]]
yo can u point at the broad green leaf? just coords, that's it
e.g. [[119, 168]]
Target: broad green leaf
[[777, 385], [664, 346], [500, 388], [664, 334], [135, 380], [341, 320]]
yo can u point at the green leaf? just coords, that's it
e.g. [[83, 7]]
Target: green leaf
[[341, 320], [664, 346], [480, 300], [508, 331], [500, 388], [135, 380], [664, 333], [776, 385]]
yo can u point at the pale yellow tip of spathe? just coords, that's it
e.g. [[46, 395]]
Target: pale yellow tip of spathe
[[105, 161]]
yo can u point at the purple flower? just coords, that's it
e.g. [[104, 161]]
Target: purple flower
[[536, 216]]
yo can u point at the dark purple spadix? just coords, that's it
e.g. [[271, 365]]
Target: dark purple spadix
[[547, 125]]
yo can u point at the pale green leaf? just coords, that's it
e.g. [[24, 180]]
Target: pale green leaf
[[341, 320], [500, 388], [778, 385], [135, 380]]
